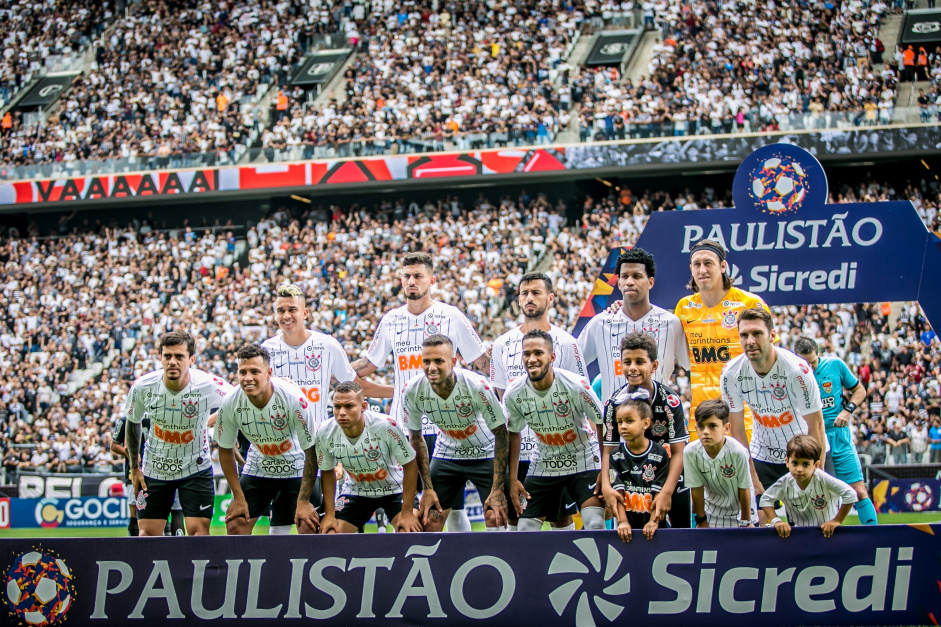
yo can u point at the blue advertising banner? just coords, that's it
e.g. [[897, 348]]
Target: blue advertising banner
[[907, 495], [788, 246], [49, 513], [860, 576]]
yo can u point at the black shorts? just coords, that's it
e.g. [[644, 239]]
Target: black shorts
[[546, 493], [357, 510], [196, 492], [449, 477], [277, 496], [681, 510], [769, 473], [568, 506]]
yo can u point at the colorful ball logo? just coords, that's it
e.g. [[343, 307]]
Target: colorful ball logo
[[919, 497], [779, 185], [39, 588]]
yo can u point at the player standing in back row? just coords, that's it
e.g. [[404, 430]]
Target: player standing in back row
[[312, 361], [275, 416], [506, 364], [709, 320], [178, 400], [402, 331], [781, 391], [601, 338]]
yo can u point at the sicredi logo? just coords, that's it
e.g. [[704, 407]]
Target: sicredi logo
[[562, 595]]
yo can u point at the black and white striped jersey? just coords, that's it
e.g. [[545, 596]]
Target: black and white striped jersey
[[562, 420], [779, 401], [465, 420], [640, 478], [601, 340], [310, 367], [401, 334], [814, 505], [372, 462], [721, 479], [280, 431], [178, 440], [506, 364], [667, 426]]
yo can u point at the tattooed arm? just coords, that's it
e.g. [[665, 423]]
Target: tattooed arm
[[429, 506], [483, 363], [306, 518], [133, 441], [501, 457], [363, 367]]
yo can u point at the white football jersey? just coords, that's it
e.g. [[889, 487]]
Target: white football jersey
[[465, 420], [310, 367], [506, 364], [814, 505], [779, 401], [721, 478], [280, 431], [372, 462], [401, 334], [601, 340], [562, 421], [178, 440]]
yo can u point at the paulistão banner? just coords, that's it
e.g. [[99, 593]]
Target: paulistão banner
[[860, 576]]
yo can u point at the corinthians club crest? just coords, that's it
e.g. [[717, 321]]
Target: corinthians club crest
[[279, 421], [190, 409], [313, 362], [432, 328]]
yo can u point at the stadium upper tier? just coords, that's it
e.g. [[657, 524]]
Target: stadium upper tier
[[179, 83]]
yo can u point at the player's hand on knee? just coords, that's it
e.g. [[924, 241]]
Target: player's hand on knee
[[328, 524], [624, 531], [238, 508], [306, 518], [495, 508], [429, 507], [519, 496], [408, 523]]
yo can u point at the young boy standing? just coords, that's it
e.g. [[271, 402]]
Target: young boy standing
[[810, 496], [639, 467], [716, 468]]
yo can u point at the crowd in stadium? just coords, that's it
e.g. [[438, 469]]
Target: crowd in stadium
[[177, 83], [97, 293], [170, 81]]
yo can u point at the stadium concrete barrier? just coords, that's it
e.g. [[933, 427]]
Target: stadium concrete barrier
[[861, 576]]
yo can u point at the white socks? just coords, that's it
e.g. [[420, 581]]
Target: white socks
[[530, 524], [569, 527], [280, 530], [458, 522], [593, 518]]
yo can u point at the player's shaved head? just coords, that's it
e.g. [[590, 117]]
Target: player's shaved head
[[349, 387], [289, 290], [538, 334], [438, 340]]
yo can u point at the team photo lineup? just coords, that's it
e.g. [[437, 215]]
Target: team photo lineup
[[767, 427]]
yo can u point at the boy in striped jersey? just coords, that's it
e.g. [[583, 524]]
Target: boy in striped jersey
[[471, 426], [565, 415], [811, 496], [275, 416], [717, 474], [179, 402]]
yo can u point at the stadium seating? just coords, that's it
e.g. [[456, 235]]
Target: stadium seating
[[93, 301]]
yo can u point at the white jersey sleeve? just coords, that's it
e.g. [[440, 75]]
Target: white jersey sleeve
[[730, 386], [588, 402], [680, 347], [133, 405], [497, 368], [568, 352], [802, 385], [226, 424], [339, 362], [465, 338], [412, 415], [381, 345]]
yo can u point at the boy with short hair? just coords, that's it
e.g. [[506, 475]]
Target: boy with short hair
[[717, 472], [639, 467], [809, 494]]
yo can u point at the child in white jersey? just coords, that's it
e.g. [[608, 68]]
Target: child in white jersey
[[810, 496]]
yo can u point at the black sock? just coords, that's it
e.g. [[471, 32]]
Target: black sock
[[132, 529]]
